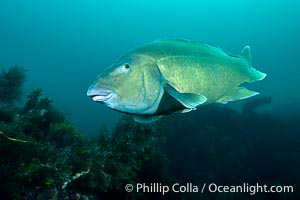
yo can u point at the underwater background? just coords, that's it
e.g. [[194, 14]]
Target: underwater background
[[58, 144]]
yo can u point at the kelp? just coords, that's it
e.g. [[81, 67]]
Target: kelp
[[44, 156]]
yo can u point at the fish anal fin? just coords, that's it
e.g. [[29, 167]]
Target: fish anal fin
[[188, 100], [239, 94], [186, 110], [243, 93]]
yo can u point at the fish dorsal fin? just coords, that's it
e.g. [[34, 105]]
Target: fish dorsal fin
[[146, 119], [246, 54], [188, 100]]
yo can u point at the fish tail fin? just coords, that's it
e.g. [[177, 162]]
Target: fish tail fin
[[255, 75], [246, 54]]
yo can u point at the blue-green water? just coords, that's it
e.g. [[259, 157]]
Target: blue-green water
[[65, 44]]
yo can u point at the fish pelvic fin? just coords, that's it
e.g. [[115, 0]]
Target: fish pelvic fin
[[146, 119], [255, 75]]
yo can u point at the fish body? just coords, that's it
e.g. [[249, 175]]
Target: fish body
[[168, 76]]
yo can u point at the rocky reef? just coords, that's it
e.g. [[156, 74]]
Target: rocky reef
[[44, 156]]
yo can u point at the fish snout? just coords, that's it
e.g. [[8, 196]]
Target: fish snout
[[99, 94]]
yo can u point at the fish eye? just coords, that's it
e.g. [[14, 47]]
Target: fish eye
[[125, 68]]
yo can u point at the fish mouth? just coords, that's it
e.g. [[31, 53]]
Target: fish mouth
[[99, 94]]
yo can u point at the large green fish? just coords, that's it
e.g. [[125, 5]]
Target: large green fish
[[173, 76]]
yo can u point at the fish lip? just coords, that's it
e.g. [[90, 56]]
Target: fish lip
[[102, 98], [100, 94]]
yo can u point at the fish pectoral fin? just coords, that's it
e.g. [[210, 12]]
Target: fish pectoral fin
[[146, 119], [188, 100], [238, 94]]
